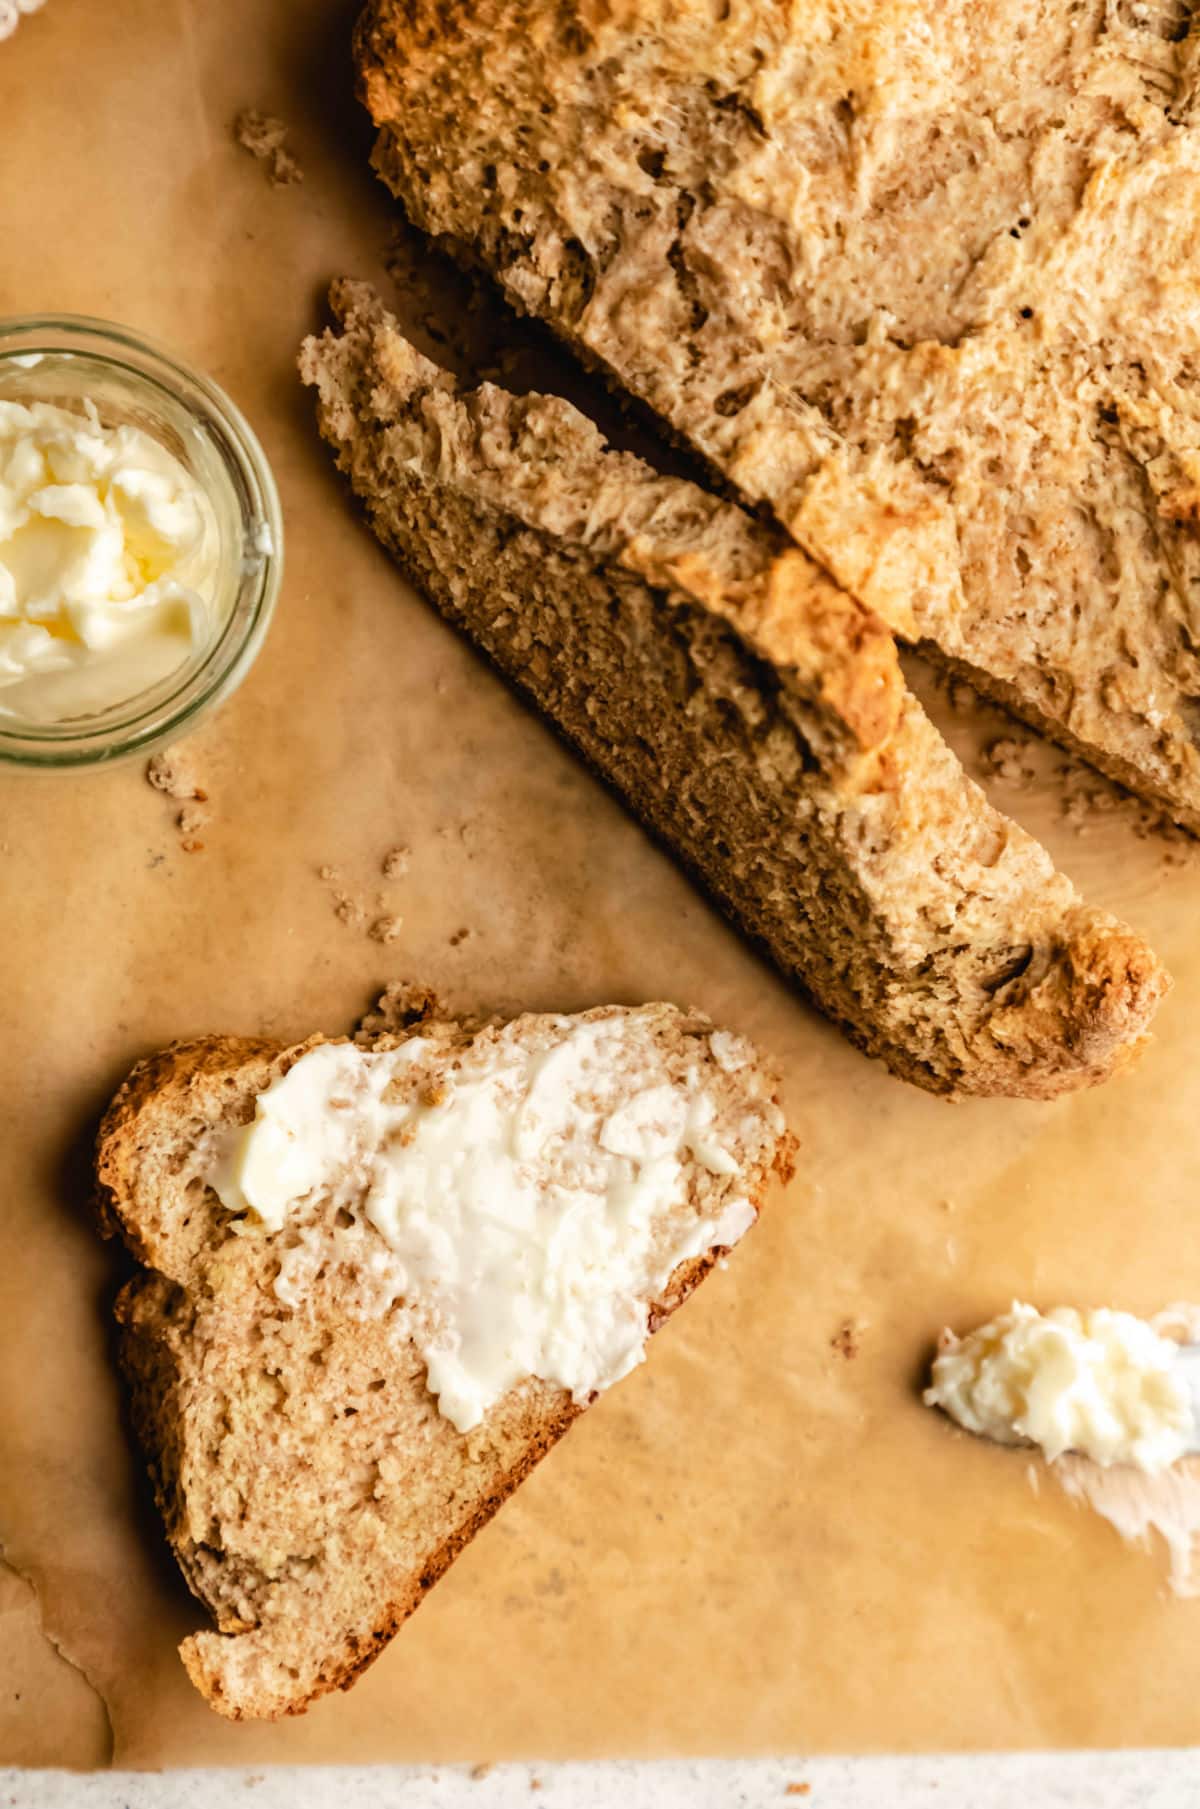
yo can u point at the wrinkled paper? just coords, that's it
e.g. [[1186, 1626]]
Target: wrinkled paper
[[758, 1542]]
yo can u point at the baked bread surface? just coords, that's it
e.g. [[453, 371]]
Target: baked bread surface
[[750, 711], [922, 277]]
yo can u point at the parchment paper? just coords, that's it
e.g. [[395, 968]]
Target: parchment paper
[[755, 1542]]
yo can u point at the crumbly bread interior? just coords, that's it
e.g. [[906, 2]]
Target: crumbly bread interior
[[921, 277], [310, 1487], [749, 711]]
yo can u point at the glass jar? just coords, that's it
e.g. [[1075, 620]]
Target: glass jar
[[69, 361]]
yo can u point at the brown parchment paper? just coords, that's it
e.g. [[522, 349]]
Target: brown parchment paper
[[755, 1543]]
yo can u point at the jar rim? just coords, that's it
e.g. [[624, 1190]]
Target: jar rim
[[138, 725]]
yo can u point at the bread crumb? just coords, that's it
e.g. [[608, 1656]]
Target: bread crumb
[[1088, 797], [400, 1005], [263, 136], [386, 929], [361, 910], [847, 1340], [170, 772], [395, 862], [1085, 797], [193, 816], [535, 1783], [798, 1790], [961, 695], [480, 1771], [1008, 757]]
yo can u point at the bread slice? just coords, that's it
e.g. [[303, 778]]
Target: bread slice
[[749, 711], [311, 1488], [921, 277]]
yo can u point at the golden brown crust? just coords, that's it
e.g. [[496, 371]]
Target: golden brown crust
[[674, 535], [911, 277], [118, 1140], [804, 624], [785, 764], [1087, 1006]]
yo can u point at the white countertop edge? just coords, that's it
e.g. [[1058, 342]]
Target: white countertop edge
[[1093, 1780]]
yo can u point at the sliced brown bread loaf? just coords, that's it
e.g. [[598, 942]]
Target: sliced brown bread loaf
[[312, 1486], [749, 711], [922, 277]]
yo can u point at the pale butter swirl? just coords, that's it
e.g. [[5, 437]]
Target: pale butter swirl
[[109, 549], [534, 1202]]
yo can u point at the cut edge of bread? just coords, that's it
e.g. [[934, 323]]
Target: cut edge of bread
[[217, 1661], [1076, 1017]]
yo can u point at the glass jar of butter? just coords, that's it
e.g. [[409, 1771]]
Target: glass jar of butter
[[141, 543]]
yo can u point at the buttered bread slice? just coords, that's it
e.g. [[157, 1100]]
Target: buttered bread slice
[[381, 1280]]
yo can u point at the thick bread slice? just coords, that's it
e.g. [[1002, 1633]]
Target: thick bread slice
[[750, 712], [921, 276], [310, 1487]]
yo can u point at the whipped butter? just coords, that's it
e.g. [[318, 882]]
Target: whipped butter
[[529, 1203], [109, 550], [1101, 1384]]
